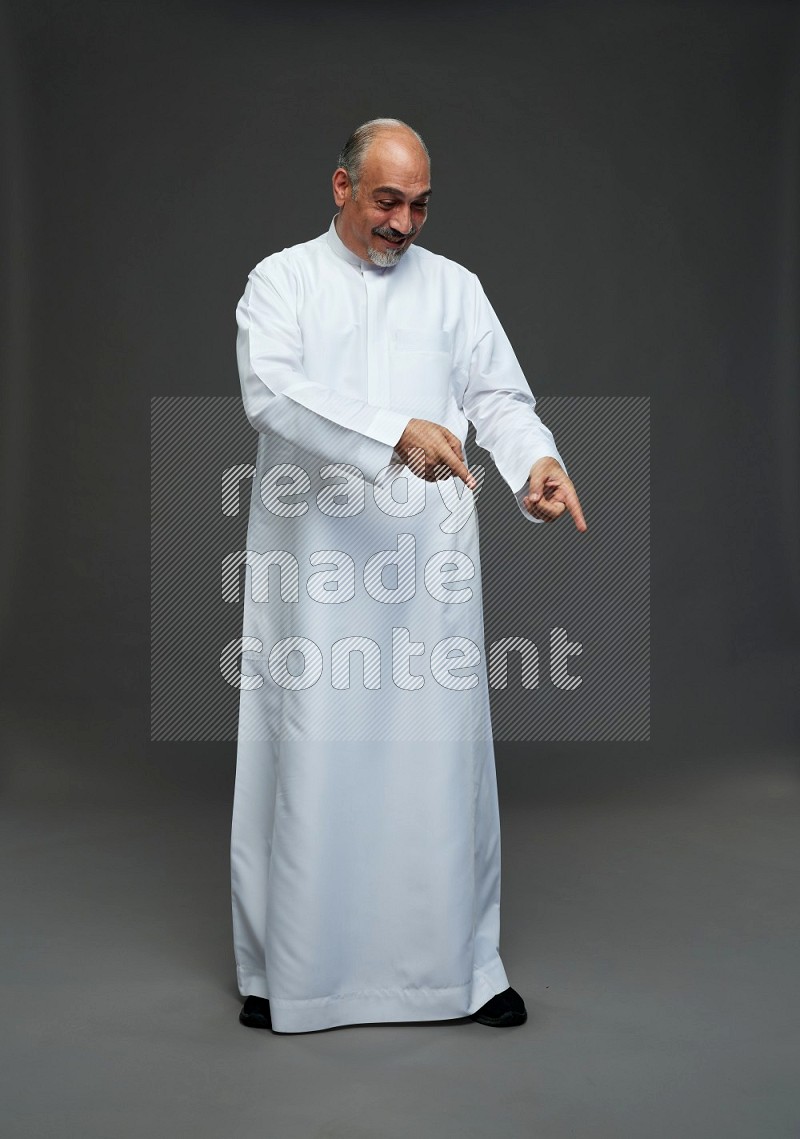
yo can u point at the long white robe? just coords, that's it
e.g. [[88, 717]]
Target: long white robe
[[365, 847]]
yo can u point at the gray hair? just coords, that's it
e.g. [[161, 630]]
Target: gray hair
[[352, 155]]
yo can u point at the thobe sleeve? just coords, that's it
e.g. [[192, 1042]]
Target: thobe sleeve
[[498, 401], [278, 396]]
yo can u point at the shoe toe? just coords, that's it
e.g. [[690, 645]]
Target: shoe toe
[[255, 1013], [504, 1010]]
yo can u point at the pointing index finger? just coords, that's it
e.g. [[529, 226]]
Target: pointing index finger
[[573, 505], [459, 468]]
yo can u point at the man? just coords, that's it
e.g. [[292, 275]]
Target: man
[[365, 855]]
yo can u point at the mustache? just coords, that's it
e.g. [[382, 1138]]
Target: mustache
[[386, 231]]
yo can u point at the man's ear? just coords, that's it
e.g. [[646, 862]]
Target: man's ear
[[341, 186]]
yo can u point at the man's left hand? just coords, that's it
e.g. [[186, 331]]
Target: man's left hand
[[551, 492]]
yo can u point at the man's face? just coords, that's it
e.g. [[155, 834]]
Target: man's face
[[391, 204]]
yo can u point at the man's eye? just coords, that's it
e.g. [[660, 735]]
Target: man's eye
[[420, 205], [386, 205]]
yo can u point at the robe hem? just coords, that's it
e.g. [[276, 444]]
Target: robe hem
[[379, 1006]]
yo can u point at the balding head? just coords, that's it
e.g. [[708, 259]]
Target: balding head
[[354, 152], [381, 187]]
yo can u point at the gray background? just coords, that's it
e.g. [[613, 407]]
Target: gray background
[[624, 179]]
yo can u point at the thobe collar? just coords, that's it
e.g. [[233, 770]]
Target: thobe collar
[[341, 250]]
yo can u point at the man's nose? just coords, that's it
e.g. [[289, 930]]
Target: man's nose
[[401, 219]]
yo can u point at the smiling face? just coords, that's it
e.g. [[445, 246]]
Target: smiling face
[[389, 209]]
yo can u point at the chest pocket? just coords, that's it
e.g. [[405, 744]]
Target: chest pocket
[[421, 362]]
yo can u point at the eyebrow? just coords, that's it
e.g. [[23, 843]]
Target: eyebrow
[[399, 193]]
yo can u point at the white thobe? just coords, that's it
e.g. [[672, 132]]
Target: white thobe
[[365, 847]]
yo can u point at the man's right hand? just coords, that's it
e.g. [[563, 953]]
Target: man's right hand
[[432, 452]]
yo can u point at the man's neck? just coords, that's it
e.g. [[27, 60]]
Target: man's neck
[[344, 240]]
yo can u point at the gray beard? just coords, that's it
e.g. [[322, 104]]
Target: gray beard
[[385, 258]]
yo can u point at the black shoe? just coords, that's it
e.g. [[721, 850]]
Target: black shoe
[[503, 1011], [255, 1013]]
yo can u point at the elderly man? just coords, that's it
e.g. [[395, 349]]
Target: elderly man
[[365, 847]]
